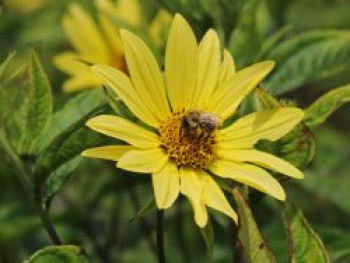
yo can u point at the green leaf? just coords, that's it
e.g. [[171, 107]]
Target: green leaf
[[304, 243], [298, 42], [298, 146], [4, 67], [307, 57], [244, 50], [59, 254], [272, 41], [57, 178], [208, 236], [318, 112], [75, 109], [117, 105], [254, 245], [65, 147], [39, 104]]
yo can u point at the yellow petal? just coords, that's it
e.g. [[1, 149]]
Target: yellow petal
[[208, 68], [227, 68], [215, 198], [80, 82], [166, 185], [226, 99], [143, 161], [191, 186], [111, 33], [85, 35], [181, 63], [110, 152], [71, 63], [263, 159], [127, 11], [145, 75], [249, 175], [268, 124], [124, 130], [123, 87]]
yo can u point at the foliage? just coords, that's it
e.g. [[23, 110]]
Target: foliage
[[58, 254], [48, 189]]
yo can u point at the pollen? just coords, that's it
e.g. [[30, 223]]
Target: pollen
[[188, 146]]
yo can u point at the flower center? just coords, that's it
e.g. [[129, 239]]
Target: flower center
[[189, 138]]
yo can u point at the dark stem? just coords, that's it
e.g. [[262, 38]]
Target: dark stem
[[48, 224], [237, 246], [144, 226], [160, 236]]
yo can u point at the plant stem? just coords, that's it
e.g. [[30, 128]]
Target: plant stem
[[144, 226], [237, 246], [160, 236], [21, 174], [50, 229]]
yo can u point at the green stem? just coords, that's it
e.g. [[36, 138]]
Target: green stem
[[28, 187], [144, 226], [160, 236], [50, 229]]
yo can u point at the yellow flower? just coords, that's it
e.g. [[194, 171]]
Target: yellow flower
[[100, 43], [130, 12], [93, 43], [185, 146]]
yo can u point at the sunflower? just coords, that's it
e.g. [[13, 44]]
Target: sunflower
[[180, 138], [99, 42]]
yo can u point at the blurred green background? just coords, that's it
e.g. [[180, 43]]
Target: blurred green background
[[94, 207]]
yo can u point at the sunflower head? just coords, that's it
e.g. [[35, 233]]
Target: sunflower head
[[187, 145], [189, 138]]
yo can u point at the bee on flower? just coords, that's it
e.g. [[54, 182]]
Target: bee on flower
[[99, 42], [186, 146]]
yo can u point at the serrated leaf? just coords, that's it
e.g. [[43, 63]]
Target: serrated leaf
[[298, 42], [208, 236], [305, 58], [59, 254], [74, 109], [254, 245], [39, 104], [318, 112], [304, 243]]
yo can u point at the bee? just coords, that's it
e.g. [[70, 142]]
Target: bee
[[196, 122]]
